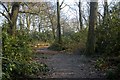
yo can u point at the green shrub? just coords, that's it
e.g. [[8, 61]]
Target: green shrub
[[76, 41], [101, 64], [114, 74], [56, 47], [108, 42], [72, 42], [108, 35], [17, 57], [42, 36]]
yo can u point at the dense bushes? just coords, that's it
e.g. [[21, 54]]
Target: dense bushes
[[56, 46], [17, 57], [108, 43], [108, 35], [72, 42], [42, 36]]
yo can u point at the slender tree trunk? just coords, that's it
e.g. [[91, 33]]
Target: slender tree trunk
[[39, 27], [28, 21], [59, 40], [13, 18], [99, 20], [53, 31], [21, 24], [86, 22], [80, 15], [105, 11], [90, 46], [63, 29], [33, 27]]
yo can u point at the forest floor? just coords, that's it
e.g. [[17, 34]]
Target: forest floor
[[68, 65]]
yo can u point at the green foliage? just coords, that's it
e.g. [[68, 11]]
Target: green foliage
[[110, 65], [108, 43], [42, 36], [72, 42], [114, 74], [17, 57], [108, 35], [101, 64], [56, 47], [79, 41], [111, 75]]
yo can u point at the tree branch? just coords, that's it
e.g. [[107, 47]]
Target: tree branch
[[6, 17], [100, 14], [5, 8], [62, 3], [28, 12], [63, 7], [77, 4]]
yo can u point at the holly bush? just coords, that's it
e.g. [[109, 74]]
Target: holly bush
[[17, 59]]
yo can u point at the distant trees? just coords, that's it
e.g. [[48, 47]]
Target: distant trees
[[28, 20], [44, 17], [90, 46], [51, 13]]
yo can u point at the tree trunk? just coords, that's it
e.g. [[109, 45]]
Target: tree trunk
[[99, 20], [34, 27], [59, 40], [21, 24], [90, 46], [39, 27], [13, 18], [52, 25], [105, 11], [63, 29], [53, 31], [80, 15], [28, 21]]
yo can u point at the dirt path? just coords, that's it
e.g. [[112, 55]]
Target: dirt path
[[68, 65]]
